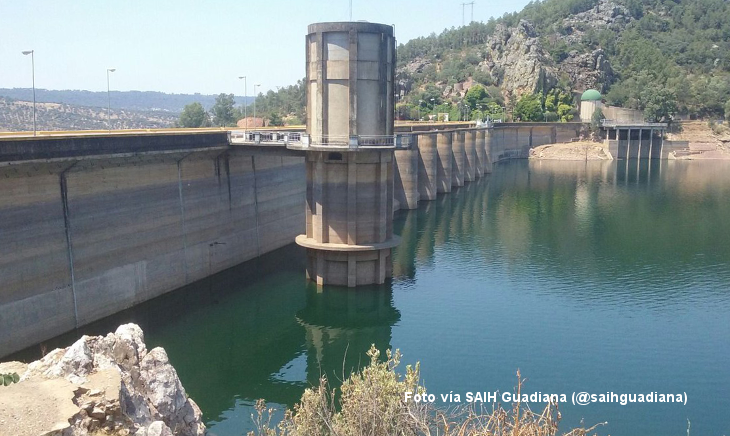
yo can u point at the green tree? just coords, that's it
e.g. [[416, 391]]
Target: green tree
[[222, 110], [659, 104], [596, 119], [727, 110], [529, 108], [565, 112], [275, 120], [193, 115], [476, 95]]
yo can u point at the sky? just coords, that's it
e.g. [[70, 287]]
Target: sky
[[193, 46]]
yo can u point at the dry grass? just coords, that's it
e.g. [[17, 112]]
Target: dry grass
[[371, 403]]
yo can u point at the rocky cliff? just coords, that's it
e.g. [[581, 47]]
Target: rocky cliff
[[99, 385], [519, 58], [519, 53]]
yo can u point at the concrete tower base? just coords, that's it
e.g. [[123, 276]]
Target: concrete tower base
[[328, 264], [349, 209]]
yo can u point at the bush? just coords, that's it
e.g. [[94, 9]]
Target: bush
[[371, 403], [529, 108], [7, 379]]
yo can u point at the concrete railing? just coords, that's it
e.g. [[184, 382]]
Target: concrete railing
[[259, 137], [352, 141], [262, 137], [615, 123]]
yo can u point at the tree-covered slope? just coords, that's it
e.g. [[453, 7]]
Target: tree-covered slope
[[635, 52]]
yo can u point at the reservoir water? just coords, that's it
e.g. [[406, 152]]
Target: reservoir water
[[587, 277]]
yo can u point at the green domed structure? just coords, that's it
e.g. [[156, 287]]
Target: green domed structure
[[590, 95]]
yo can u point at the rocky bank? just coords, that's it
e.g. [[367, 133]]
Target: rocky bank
[[582, 150], [100, 385]]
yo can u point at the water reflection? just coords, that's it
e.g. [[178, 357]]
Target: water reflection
[[341, 324]]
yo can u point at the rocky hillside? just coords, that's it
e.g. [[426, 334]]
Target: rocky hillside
[[18, 116], [631, 51]]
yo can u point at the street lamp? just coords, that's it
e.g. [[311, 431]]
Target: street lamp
[[245, 105], [109, 100], [255, 97], [32, 62], [420, 103], [278, 100], [433, 104]]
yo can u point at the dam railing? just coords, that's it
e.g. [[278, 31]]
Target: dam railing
[[304, 140]]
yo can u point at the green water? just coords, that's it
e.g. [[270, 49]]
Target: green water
[[600, 277]]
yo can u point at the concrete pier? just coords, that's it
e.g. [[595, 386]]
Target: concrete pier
[[406, 176], [458, 159], [470, 154], [427, 166], [479, 152], [445, 161], [482, 152], [349, 226]]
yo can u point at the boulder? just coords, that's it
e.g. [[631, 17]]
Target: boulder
[[108, 384]]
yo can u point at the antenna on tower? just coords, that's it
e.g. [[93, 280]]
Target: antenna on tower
[[463, 8]]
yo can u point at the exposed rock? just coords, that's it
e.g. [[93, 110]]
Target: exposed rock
[[102, 384], [518, 53], [403, 83], [417, 65], [588, 70], [607, 14]]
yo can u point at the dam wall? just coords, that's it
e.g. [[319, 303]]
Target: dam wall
[[85, 233], [514, 140], [91, 225]]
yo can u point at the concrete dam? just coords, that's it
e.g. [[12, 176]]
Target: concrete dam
[[91, 225]]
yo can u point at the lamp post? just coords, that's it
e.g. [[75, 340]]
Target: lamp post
[[278, 101], [32, 63], [420, 103], [255, 97], [433, 104], [109, 100], [245, 103]]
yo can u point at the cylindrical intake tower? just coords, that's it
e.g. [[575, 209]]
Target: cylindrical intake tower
[[350, 73], [349, 153]]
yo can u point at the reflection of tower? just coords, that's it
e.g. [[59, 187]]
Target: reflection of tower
[[342, 324], [404, 263], [349, 153]]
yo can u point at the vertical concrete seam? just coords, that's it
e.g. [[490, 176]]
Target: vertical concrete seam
[[352, 80], [69, 245], [256, 206], [228, 180], [182, 216], [382, 183], [351, 199]]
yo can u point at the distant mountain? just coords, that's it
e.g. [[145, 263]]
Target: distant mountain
[[17, 115], [132, 100]]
